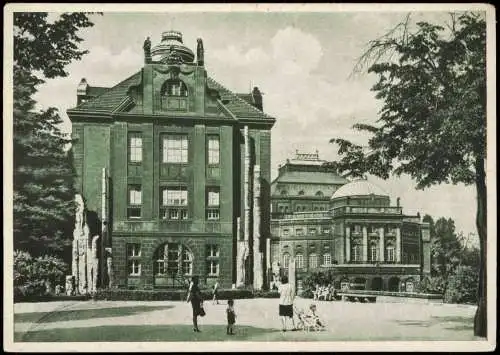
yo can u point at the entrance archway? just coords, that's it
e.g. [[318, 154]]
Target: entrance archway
[[172, 265], [377, 284], [394, 284]]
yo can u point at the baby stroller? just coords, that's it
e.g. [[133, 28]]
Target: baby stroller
[[307, 322]]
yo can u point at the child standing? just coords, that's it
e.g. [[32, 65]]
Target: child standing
[[231, 317]]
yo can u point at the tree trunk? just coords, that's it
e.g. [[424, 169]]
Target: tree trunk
[[480, 319]]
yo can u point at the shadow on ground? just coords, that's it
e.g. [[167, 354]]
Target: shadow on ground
[[134, 333], [456, 322], [80, 314]]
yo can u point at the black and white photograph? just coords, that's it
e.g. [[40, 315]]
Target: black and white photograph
[[235, 177]]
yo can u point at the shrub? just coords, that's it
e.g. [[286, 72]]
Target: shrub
[[165, 295], [36, 277], [462, 286], [266, 294]]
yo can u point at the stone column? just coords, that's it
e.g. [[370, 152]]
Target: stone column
[[381, 244], [365, 244], [398, 244], [347, 244], [104, 222], [246, 197], [94, 264], [258, 277], [240, 256], [291, 273]]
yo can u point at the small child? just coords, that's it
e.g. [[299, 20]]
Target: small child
[[231, 316], [314, 316]]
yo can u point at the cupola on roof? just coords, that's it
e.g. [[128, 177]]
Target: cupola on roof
[[359, 187], [171, 43]]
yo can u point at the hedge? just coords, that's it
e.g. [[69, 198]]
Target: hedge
[[178, 295]]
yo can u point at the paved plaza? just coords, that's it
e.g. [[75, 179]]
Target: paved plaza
[[257, 320]]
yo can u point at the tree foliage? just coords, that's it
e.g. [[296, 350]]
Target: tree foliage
[[432, 125], [43, 173]]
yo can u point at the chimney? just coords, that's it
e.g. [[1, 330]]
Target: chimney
[[257, 98], [397, 202], [81, 91]]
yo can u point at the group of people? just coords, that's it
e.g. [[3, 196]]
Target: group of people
[[286, 306], [328, 292]]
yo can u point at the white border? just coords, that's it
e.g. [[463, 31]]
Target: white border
[[448, 346]]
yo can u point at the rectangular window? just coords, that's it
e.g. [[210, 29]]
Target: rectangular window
[[134, 201], [326, 230], [357, 228], [285, 232], [175, 149], [175, 196], [312, 231], [299, 232], [213, 150], [327, 259], [213, 202], [135, 147], [391, 255], [174, 203], [212, 260], [134, 259]]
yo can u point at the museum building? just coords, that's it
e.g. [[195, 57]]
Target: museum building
[[322, 221], [174, 173]]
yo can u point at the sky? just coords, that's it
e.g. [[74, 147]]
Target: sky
[[302, 62]]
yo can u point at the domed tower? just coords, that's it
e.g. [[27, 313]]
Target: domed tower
[[171, 47]]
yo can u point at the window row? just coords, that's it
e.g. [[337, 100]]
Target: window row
[[174, 148], [301, 208], [174, 202], [172, 259], [373, 253], [371, 229], [313, 260], [311, 231], [302, 193]]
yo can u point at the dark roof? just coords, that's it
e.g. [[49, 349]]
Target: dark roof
[[96, 90], [111, 98], [238, 106], [310, 177]]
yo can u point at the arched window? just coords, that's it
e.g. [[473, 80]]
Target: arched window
[[319, 194], [301, 193], [286, 260], [173, 258], [356, 251], [299, 261], [313, 261], [391, 252], [174, 87]]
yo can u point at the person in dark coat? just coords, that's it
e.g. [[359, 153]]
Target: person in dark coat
[[194, 296]]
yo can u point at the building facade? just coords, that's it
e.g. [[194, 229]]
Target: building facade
[[365, 241], [174, 171]]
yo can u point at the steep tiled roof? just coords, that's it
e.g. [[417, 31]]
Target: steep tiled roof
[[96, 90], [112, 97], [238, 106], [310, 177]]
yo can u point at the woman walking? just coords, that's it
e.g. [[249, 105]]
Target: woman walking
[[287, 296], [194, 296]]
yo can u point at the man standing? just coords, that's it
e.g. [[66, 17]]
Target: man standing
[[287, 296]]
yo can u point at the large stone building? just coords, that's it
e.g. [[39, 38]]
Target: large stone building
[[174, 171], [325, 222]]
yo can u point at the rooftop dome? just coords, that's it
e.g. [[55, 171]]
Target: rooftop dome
[[171, 43], [359, 188]]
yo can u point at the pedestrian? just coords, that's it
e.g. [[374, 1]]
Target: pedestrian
[[287, 296], [215, 291], [194, 296], [231, 317]]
